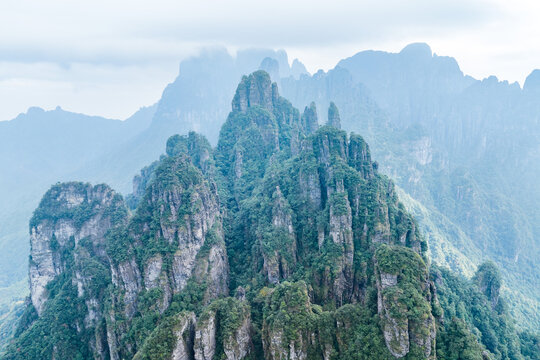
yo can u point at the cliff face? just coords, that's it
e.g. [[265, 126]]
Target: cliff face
[[283, 243], [69, 257], [68, 214]]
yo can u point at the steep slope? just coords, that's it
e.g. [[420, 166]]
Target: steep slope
[[284, 242]]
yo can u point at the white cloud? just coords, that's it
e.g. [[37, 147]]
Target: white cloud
[[111, 57]]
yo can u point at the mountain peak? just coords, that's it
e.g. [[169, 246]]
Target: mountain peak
[[271, 66], [255, 89], [533, 81], [34, 110], [298, 69], [421, 50], [333, 116]]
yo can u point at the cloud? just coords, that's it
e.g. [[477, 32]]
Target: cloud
[[111, 57], [115, 32]]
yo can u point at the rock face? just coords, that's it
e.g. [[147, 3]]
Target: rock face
[[205, 337], [67, 214], [68, 246], [188, 230], [183, 349], [333, 116], [279, 258], [279, 341], [238, 345], [393, 296], [310, 119], [225, 325], [396, 330], [255, 90]]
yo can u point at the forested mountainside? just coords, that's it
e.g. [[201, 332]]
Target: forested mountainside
[[465, 152], [283, 242]]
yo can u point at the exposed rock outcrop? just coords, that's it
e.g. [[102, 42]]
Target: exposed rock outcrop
[[68, 215], [279, 244], [238, 344], [280, 340], [189, 218], [333, 116], [184, 332], [205, 336], [255, 89], [401, 326], [310, 120]]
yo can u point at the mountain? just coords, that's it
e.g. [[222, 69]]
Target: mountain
[[465, 152], [41, 147], [37, 149], [282, 242]]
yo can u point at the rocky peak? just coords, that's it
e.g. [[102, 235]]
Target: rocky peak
[[417, 51], [195, 147], [360, 157], [532, 83], [330, 143], [68, 214], [255, 89], [298, 69], [333, 116], [188, 212], [271, 66], [310, 120]]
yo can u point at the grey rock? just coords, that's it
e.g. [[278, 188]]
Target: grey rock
[[333, 116], [205, 337], [184, 332]]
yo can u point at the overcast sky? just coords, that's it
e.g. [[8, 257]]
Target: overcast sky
[[106, 57]]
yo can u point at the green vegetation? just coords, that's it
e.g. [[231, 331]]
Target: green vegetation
[[469, 306], [323, 258], [160, 343], [55, 335]]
